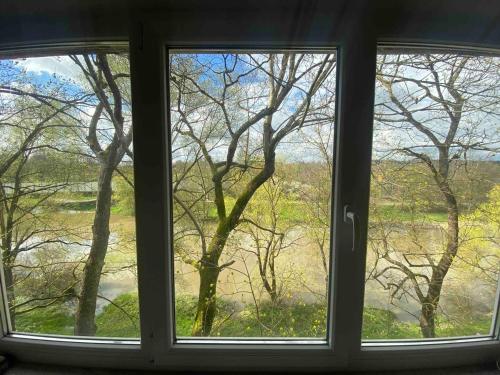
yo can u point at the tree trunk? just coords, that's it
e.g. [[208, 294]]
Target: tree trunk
[[207, 301], [209, 268], [271, 288], [11, 297], [85, 315], [8, 258], [209, 273], [324, 262], [427, 320], [439, 272]]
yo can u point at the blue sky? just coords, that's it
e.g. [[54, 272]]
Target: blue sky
[[43, 70]]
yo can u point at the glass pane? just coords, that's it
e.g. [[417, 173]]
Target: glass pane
[[252, 146], [433, 239], [67, 221]]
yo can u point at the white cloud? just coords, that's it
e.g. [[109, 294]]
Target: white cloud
[[62, 66]]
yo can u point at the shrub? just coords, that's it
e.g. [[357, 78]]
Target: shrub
[[56, 319], [120, 319], [123, 195]]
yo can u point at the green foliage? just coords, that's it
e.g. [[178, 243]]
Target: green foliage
[[212, 209], [40, 167], [185, 308], [78, 205], [120, 319], [123, 195], [489, 211], [383, 324], [469, 327], [284, 320], [55, 320], [392, 212], [292, 211], [412, 184]]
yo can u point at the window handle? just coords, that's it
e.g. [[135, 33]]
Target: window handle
[[351, 216]]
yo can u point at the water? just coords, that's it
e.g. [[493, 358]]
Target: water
[[117, 278]]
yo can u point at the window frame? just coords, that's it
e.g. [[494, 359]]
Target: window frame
[[271, 342], [356, 41], [155, 48], [494, 333]]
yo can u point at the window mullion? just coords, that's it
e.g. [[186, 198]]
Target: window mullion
[[353, 155], [151, 169]]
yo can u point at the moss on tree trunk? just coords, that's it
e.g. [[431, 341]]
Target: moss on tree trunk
[[207, 302], [430, 306], [85, 315], [209, 267], [11, 297]]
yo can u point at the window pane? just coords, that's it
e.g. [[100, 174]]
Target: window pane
[[67, 208], [252, 146], [433, 239]]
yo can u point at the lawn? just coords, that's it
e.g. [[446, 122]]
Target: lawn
[[287, 320], [398, 213]]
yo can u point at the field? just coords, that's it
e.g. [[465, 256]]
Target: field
[[301, 311]]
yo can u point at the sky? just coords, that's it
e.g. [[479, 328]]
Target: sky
[[46, 68], [60, 65]]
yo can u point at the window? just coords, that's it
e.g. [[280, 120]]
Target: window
[[432, 268], [252, 146], [67, 224], [292, 184]]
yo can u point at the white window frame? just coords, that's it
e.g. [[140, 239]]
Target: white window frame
[[152, 33]]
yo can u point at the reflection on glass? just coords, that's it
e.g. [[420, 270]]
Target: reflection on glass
[[252, 145], [433, 239], [67, 222]]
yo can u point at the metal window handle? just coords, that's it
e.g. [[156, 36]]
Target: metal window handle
[[351, 216]]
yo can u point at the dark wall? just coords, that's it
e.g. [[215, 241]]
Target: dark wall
[[474, 22]]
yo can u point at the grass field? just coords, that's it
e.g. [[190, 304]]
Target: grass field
[[397, 213], [298, 320], [289, 320]]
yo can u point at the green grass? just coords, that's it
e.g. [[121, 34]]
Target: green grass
[[122, 321], [395, 213], [79, 202], [297, 320], [119, 209], [87, 205], [470, 327], [285, 320], [185, 306], [383, 324], [55, 320], [212, 210], [62, 202], [291, 211]]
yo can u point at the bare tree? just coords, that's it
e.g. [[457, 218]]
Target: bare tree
[[109, 144], [28, 109], [32, 114], [25, 233], [219, 105], [269, 237], [319, 194], [435, 112]]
